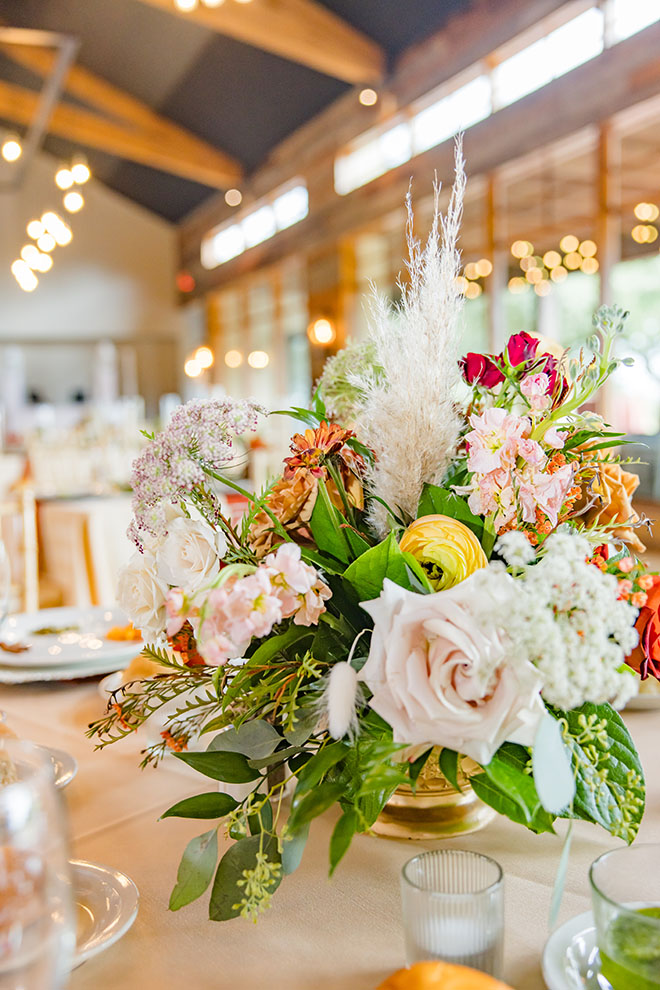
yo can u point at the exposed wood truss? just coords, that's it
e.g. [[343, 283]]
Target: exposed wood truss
[[299, 30], [132, 130]]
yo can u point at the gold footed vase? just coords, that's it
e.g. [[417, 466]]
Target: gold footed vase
[[437, 810]]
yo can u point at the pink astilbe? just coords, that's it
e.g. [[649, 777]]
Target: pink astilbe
[[408, 415]]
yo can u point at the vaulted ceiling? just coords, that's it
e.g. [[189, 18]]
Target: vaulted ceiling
[[238, 98]]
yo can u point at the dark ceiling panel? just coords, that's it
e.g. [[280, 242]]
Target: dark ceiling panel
[[238, 98], [246, 101], [397, 24]]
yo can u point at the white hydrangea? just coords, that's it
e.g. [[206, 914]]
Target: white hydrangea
[[515, 548], [568, 621]]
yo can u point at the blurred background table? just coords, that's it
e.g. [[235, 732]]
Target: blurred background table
[[339, 934]]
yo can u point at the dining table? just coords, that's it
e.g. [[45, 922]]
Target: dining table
[[321, 933]]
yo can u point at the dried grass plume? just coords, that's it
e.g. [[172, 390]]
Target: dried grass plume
[[408, 415]]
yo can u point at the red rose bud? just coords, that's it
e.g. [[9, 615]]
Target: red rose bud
[[521, 347], [480, 369], [549, 365]]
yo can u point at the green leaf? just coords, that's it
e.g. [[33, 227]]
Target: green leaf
[[316, 768], [609, 775], [256, 740], [326, 526], [341, 838], [261, 821], [448, 761], [385, 560], [306, 721], [306, 416], [523, 809], [233, 768], [210, 805], [242, 855], [447, 503], [507, 771], [195, 869], [293, 846], [416, 767], [270, 647], [281, 756], [308, 805], [369, 806]]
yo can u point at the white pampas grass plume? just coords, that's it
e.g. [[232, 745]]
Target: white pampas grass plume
[[340, 700], [408, 414]]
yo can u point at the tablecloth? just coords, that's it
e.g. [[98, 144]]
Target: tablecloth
[[320, 934]]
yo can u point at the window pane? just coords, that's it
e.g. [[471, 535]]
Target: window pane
[[631, 16], [521, 74], [575, 43], [461, 109]]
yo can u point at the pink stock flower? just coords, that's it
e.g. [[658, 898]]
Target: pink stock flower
[[554, 438], [544, 491], [536, 389], [531, 451], [310, 605], [626, 564], [290, 576], [493, 441], [493, 493]]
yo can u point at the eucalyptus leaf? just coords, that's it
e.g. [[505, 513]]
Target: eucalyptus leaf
[[233, 768], [226, 895], [195, 869], [306, 721], [256, 740], [263, 820], [341, 838], [293, 846], [214, 804], [280, 756], [309, 804]]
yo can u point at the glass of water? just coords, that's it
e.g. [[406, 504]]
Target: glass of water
[[453, 909], [37, 933]]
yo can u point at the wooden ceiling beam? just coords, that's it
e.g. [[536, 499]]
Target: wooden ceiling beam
[[127, 109], [140, 145], [299, 30]]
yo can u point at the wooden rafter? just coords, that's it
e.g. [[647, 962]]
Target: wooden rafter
[[189, 150], [299, 30], [180, 155]]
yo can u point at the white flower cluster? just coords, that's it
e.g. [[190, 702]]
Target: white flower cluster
[[568, 621], [515, 548]]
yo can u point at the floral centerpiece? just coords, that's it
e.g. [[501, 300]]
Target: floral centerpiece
[[449, 571]]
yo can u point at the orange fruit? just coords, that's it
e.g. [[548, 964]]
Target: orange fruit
[[441, 976]]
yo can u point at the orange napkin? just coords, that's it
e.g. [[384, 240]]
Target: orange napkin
[[440, 976]]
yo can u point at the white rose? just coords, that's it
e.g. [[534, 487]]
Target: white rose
[[189, 556], [141, 595], [439, 678]]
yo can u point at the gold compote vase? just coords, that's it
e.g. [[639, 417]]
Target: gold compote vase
[[436, 809]]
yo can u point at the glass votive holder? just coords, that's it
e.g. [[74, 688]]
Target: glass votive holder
[[453, 909], [625, 893]]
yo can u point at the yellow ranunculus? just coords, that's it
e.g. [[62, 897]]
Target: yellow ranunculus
[[447, 550]]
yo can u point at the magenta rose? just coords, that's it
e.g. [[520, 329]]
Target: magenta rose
[[521, 347], [480, 369]]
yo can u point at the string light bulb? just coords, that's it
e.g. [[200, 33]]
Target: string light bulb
[[63, 178], [569, 243], [11, 148], [233, 197], [551, 259], [80, 171], [258, 359], [43, 263], [518, 285], [30, 254], [572, 261], [484, 267], [522, 249], [368, 97], [587, 249], [192, 368], [321, 332], [213, 3], [204, 357], [24, 275], [185, 5], [233, 359], [35, 229], [73, 201], [648, 212], [46, 242]]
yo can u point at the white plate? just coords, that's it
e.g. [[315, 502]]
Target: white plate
[[64, 766], [106, 905], [570, 957], [84, 645], [65, 672]]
